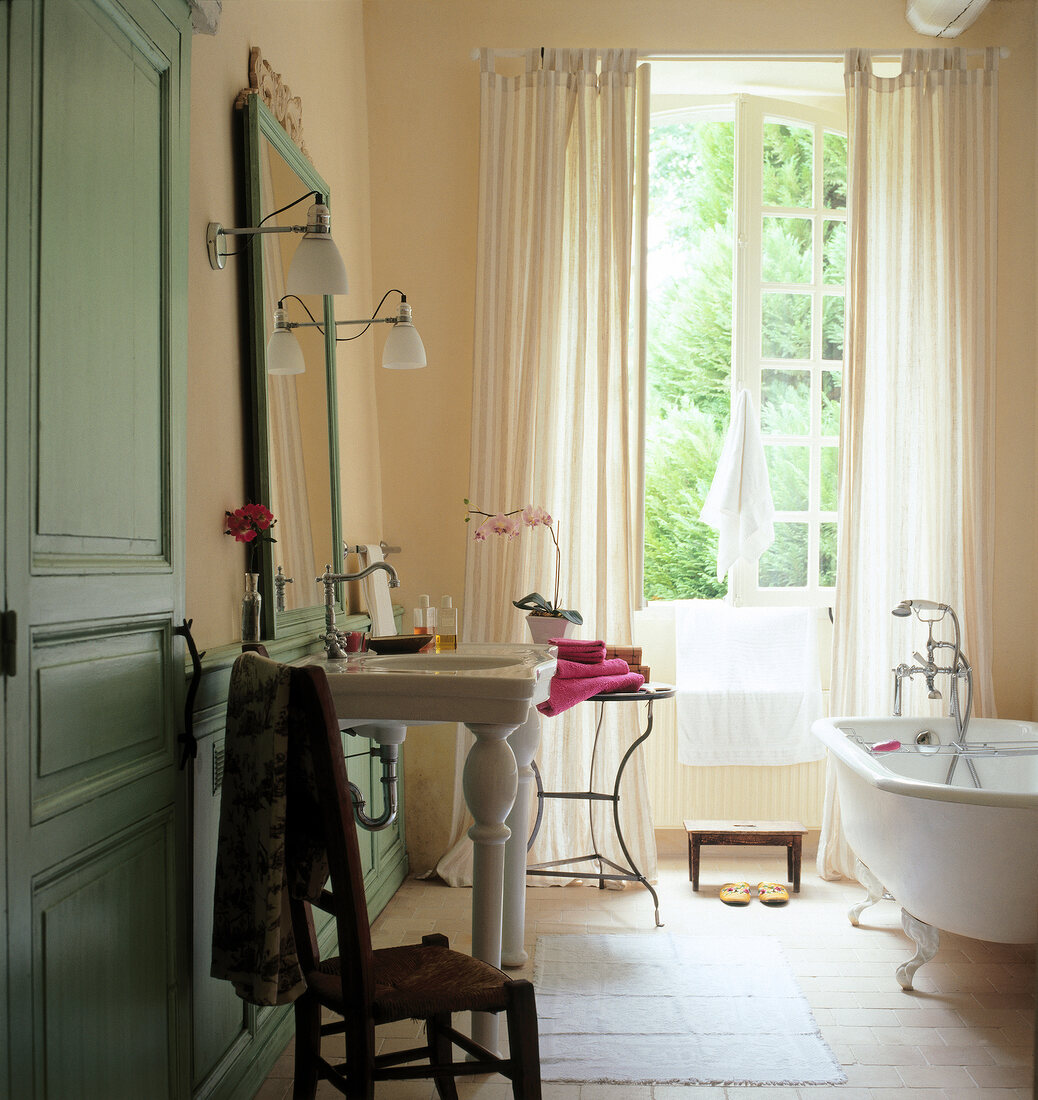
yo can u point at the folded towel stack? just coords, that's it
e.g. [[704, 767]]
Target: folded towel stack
[[577, 649], [584, 671], [572, 670]]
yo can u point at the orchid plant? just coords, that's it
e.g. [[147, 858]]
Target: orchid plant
[[251, 524], [506, 523]]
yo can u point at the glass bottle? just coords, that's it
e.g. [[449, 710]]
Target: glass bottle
[[251, 602]]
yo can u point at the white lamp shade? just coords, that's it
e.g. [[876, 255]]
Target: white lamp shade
[[317, 267], [403, 349], [284, 355]]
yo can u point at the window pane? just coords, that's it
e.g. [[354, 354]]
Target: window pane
[[788, 165], [690, 242], [784, 563], [827, 554], [788, 474], [785, 325], [785, 401], [786, 250], [832, 391], [834, 171], [829, 476], [832, 326], [834, 253]]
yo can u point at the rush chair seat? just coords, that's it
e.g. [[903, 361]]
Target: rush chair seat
[[364, 987]]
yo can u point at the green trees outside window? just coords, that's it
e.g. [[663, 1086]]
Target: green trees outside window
[[781, 337]]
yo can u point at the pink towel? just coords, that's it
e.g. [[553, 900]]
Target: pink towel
[[569, 670], [565, 693], [577, 649]]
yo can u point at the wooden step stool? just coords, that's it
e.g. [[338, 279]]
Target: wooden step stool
[[788, 834]]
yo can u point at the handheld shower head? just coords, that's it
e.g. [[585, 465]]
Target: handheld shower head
[[906, 607]]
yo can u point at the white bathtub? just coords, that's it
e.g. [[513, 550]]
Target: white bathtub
[[954, 857]]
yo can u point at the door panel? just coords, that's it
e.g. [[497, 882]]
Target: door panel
[[102, 380], [97, 870], [115, 894], [104, 709]]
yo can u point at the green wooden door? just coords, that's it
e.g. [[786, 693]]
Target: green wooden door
[[96, 221]]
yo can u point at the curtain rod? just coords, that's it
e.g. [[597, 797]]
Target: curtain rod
[[756, 55]]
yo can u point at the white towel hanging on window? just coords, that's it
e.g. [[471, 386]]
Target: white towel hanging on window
[[739, 502]]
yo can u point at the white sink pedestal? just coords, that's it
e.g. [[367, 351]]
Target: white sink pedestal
[[494, 691], [524, 742]]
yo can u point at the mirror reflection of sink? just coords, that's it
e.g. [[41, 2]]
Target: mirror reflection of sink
[[494, 684], [435, 662]]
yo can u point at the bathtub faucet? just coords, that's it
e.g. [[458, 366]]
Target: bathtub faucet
[[900, 673], [958, 668], [333, 638]]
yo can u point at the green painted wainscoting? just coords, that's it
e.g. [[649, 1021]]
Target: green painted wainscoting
[[95, 200], [235, 1044]]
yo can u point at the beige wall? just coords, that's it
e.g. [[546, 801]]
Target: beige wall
[[400, 71], [424, 186], [317, 47]]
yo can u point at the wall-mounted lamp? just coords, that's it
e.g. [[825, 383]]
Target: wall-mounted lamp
[[316, 267], [403, 349]]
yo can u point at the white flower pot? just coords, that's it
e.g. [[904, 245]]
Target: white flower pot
[[543, 627]]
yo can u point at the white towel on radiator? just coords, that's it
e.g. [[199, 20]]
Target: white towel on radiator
[[375, 587], [748, 684]]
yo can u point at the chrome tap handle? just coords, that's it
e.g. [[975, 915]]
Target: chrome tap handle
[[280, 580]]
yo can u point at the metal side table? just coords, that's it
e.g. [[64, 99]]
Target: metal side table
[[647, 694]]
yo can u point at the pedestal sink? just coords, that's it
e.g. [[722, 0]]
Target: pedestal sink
[[474, 683], [492, 689]]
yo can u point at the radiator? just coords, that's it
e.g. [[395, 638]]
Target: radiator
[[678, 792], [790, 793]]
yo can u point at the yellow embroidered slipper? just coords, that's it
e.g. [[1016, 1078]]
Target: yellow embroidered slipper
[[736, 893], [772, 893]]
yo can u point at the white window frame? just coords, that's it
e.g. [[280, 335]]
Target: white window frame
[[747, 358], [749, 113]]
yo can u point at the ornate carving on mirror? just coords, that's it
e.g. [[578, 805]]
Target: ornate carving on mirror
[[295, 445], [275, 93]]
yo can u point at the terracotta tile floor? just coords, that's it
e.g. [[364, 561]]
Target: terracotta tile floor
[[965, 1032]]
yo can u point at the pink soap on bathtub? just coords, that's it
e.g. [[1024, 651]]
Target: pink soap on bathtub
[[885, 746]]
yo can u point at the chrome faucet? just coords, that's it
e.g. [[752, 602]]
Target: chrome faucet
[[333, 638], [280, 580], [958, 668]]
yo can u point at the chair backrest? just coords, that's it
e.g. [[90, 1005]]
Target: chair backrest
[[321, 791]]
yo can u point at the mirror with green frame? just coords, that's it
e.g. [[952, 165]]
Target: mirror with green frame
[[295, 444]]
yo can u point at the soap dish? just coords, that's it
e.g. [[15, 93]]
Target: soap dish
[[399, 643]]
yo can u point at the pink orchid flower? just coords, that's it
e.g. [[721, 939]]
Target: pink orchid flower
[[504, 525], [536, 517]]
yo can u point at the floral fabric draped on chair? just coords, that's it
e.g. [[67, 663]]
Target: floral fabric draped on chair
[[556, 409], [917, 433]]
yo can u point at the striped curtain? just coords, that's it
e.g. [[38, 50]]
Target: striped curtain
[[557, 394], [916, 469]]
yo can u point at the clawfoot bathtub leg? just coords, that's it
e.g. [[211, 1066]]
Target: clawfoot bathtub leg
[[927, 940], [876, 892]]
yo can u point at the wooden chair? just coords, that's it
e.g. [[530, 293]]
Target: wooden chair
[[363, 987]]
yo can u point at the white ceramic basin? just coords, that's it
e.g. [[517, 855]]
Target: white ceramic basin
[[494, 684], [450, 664]]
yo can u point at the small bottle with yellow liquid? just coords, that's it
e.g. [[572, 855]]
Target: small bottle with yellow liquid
[[446, 626]]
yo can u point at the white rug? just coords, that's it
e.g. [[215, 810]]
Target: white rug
[[654, 1008]]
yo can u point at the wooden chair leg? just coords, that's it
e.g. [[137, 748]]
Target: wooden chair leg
[[360, 1061], [441, 1053], [523, 1046], [308, 1048]]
